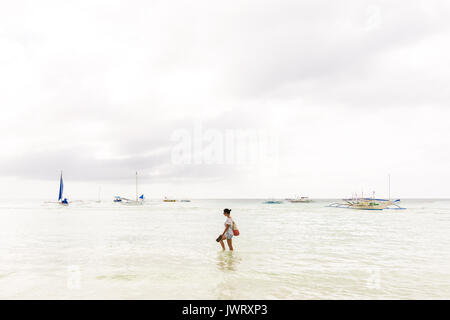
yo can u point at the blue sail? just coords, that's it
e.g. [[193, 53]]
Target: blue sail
[[60, 188]]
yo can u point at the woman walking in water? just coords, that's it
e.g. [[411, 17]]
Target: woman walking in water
[[228, 232]]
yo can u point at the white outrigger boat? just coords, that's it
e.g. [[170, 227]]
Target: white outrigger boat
[[300, 200], [367, 204]]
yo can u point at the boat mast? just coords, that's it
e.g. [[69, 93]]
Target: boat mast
[[389, 181]]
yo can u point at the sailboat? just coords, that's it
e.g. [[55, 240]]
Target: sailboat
[[61, 199], [139, 199]]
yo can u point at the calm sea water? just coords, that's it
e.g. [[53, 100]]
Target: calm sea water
[[168, 251]]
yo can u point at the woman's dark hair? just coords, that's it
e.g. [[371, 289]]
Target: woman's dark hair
[[228, 211]]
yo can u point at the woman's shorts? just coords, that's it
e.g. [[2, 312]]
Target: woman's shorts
[[229, 235]]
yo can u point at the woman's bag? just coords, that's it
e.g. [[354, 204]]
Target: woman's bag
[[235, 229]]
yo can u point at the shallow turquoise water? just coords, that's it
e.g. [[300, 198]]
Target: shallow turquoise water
[[168, 251]]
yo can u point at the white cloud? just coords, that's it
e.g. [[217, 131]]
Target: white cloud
[[353, 90]]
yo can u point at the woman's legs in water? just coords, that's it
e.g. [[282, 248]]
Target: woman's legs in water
[[222, 244], [230, 244]]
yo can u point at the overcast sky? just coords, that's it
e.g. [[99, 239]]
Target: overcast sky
[[334, 96]]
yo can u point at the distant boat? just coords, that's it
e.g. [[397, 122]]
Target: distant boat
[[117, 199], [185, 200], [300, 200], [368, 203], [139, 199], [61, 198], [169, 200], [273, 202]]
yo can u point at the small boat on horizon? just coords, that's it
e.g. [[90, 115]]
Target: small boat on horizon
[[272, 201], [139, 199], [169, 200], [117, 199], [300, 200], [61, 200]]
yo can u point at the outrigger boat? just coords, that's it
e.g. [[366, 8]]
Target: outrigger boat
[[300, 200], [367, 204], [169, 200]]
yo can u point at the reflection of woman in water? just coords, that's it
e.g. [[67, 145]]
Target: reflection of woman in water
[[228, 232]]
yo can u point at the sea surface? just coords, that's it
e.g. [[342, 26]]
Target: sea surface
[[92, 250]]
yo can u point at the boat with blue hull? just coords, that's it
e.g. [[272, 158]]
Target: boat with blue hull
[[273, 202]]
